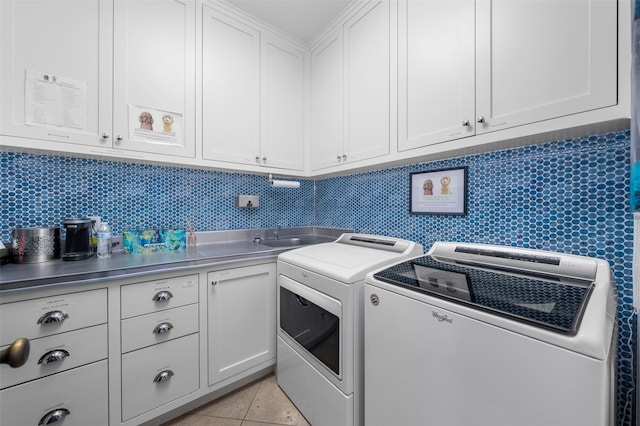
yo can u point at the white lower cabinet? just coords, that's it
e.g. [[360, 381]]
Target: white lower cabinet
[[159, 374], [64, 377], [241, 320], [78, 397], [159, 343], [133, 352]]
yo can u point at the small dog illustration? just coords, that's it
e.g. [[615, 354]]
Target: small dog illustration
[[445, 181], [146, 121], [167, 122], [427, 187]]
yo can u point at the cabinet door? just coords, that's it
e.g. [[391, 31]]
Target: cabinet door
[[154, 73], [367, 94], [241, 319], [436, 79], [327, 103], [282, 141], [230, 89], [55, 71], [540, 60]]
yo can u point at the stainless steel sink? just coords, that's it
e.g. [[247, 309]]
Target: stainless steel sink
[[297, 241]]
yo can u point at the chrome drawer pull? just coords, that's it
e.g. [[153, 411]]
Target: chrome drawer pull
[[53, 356], [162, 296], [54, 416], [53, 316], [162, 328], [17, 354], [163, 376]]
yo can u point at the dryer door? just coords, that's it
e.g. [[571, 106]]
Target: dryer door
[[311, 319]]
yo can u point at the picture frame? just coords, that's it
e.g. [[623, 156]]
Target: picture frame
[[441, 192]]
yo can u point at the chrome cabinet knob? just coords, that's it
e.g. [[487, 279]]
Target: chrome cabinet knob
[[165, 327], [466, 123], [339, 157], [53, 317], [55, 355], [162, 296], [214, 283], [17, 354], [481, 119], [105, 136], [54, 416], [163, 376], [264, 159], [344, 157]]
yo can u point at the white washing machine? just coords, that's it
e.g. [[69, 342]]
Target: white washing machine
[[320, 317], [483, 335]]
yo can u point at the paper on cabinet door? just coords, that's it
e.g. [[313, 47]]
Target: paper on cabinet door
[[55, 101]]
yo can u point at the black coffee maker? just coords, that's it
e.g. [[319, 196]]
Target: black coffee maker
[[78, 242]]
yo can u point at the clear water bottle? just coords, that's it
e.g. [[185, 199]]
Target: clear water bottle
[[104, 240]]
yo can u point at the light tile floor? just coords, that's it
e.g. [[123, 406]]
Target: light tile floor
[[261, 403]]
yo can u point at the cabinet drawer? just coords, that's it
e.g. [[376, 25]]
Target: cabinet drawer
[[142, 390], [153, 296], [53, 354], [147, 330], [51, 315], [82, 391]]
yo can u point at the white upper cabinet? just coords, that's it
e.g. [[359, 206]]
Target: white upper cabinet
[[367, 82], [472, 67], [282, 142], [55, 72], [350, 89], [79, 74], [154, 73], [252, 95], [540, 60], [327, 102], [436, 78], [230, 89]]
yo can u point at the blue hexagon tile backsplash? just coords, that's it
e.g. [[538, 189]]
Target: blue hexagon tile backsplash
[[569, 196]]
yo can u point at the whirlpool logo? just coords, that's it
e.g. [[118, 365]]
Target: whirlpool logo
[[441, 318]]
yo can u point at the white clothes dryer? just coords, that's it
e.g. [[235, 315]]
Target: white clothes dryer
[[320, 317]]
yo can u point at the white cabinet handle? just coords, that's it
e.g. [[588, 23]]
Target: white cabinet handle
[[55, 355], [53, 316], [163, 376], [165, 327], [162, 296], [54, 416]]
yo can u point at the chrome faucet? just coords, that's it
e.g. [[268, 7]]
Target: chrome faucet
[[276, 232]]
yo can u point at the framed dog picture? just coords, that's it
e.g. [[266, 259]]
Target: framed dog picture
[[441, 191]]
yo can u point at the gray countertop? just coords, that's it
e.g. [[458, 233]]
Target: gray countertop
[[213, 248]]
